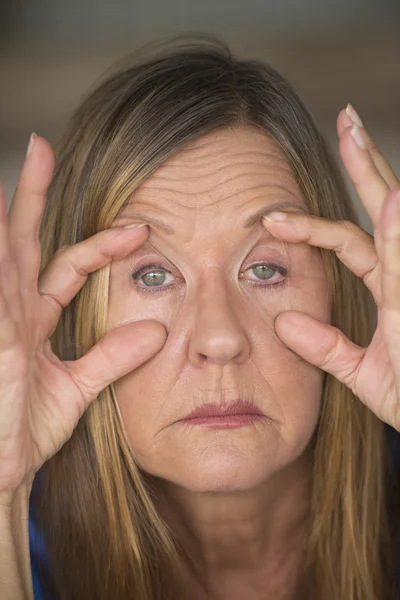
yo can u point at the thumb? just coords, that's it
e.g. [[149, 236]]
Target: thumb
[[320, 344], [119, 352]]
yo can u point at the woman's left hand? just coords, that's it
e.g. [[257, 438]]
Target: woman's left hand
[[372, 373]]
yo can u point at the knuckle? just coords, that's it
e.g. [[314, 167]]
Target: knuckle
[[67, 255], [373, 148], [61, 250], [352, 228], [104, 243], [345, 223], [354, 237], [309, 221], [106, 239], [75, 267], [84, 388]]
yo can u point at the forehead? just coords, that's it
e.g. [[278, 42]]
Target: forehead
[[233, 171]]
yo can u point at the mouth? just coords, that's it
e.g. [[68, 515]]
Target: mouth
[[225, 416]]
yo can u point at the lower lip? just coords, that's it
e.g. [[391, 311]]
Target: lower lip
[[224, 421]]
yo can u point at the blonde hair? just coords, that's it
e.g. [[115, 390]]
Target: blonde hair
[[96, 509]]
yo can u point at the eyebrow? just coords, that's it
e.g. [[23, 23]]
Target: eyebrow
[[249, 222]]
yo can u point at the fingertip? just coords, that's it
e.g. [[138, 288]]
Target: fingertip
[[42, 147], [343, 122], [30, 144], [158, 330], [347, 145], [37, 144], [39, 161], [149, 327]]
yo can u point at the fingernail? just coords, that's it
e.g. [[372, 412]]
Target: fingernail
[[134, 226], [350, 110], [358, 137], [30, 145], [275, 216]]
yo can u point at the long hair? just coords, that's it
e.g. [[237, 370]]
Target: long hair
[[95, 508]]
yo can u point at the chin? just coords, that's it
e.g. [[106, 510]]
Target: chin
[[222, 474]]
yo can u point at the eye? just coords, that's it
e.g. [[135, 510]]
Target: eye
[[154, 276], [268, 272]]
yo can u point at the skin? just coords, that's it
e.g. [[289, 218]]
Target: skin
[[238, 498]]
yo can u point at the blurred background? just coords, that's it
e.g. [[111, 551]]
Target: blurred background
[[333, 52]]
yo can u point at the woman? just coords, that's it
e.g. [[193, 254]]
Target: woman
[[211, 419]]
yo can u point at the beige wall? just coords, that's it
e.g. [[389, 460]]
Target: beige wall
[[42, 80]]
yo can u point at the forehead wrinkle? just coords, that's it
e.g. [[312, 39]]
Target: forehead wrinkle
[[289, 200], [184, 164], [263, 189], [280, 178], [250, 221], [269, 175]]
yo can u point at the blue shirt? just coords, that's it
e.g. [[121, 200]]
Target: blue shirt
[[40, 558]]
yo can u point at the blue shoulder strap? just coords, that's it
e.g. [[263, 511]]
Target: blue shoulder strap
[[39, 557]]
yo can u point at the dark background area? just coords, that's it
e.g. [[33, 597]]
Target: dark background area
[[333, 52]]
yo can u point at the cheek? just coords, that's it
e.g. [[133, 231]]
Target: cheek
[[291, 387], [307, 290], [297, 391], [288, 389], [142, 399]]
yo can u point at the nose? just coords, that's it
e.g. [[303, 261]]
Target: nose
[[218, 336]]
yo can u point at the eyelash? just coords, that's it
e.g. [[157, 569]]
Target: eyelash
[[146, 270]]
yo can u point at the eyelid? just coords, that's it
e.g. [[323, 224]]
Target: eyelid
[[150, 267], [136, 272], [259, 256]]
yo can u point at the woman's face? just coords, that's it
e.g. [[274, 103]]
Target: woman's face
[[217, 294]]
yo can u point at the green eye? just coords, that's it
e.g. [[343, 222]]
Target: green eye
[[266, 272], [151, 275], [154, 276], [263, 271]]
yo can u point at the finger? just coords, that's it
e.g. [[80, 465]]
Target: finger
[[343, 121], [390, 231], [321, 345], [372, 189], [68, 271], [26, 211], [4, 237], [4, 248], [352, 245], [9, 276], [118, 353], [9, 334], [347, 118], [380, 162]]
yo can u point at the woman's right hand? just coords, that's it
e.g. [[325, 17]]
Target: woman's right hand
[[41, 397]]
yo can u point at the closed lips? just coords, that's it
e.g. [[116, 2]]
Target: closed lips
[[238, 407]]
